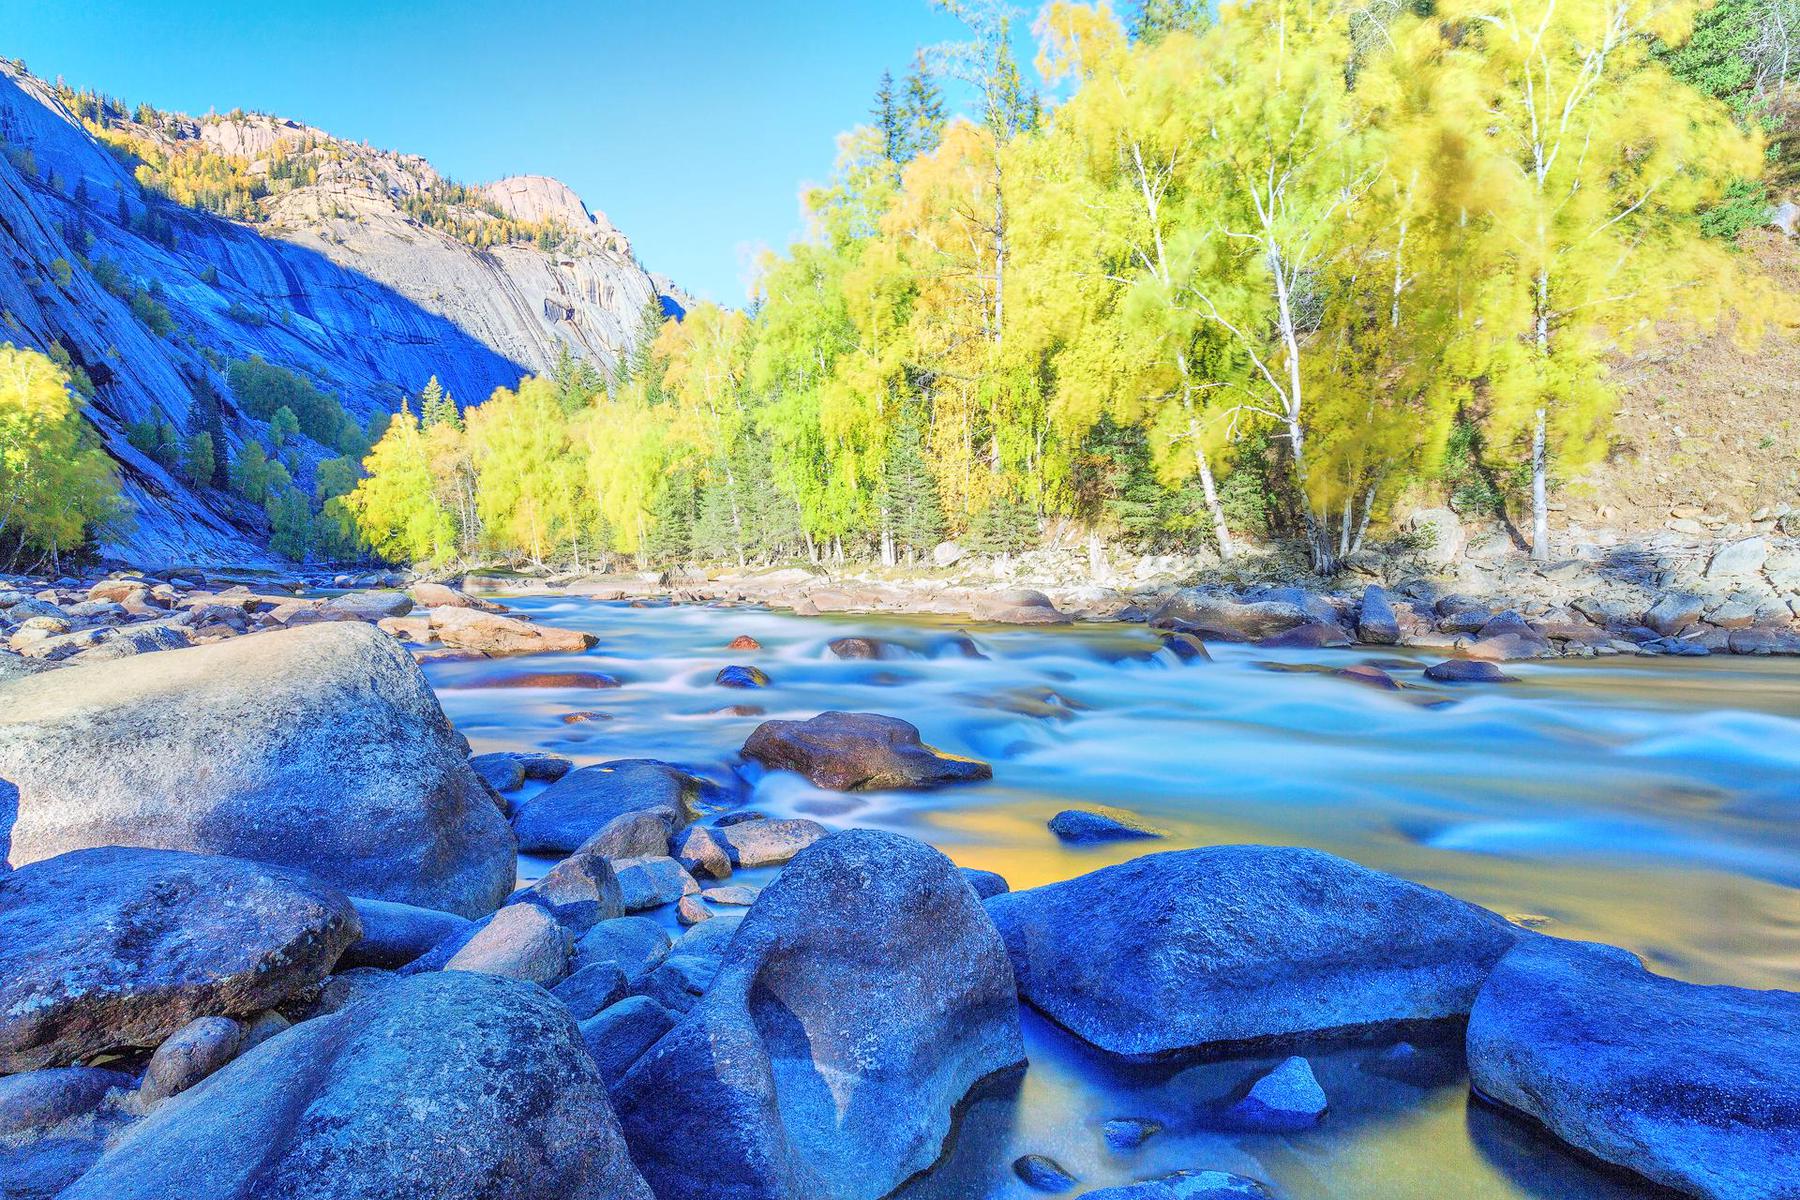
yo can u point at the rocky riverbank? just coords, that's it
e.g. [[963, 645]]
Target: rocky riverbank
[[261, 934]]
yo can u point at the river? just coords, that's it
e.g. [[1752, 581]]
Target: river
[[1648, 803]]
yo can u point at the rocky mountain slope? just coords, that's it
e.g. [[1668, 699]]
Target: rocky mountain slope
[[362, 270]]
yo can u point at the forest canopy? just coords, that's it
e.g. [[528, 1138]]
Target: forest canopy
[[1269, 274]]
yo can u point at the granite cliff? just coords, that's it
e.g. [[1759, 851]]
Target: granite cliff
[[152, 250]]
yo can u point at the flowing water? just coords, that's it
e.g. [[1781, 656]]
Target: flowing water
[[1649, 803]]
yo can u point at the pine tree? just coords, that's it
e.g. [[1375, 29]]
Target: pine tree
[[671, 532], [437, 406], [910, 494], [922, 114], [890, 122]]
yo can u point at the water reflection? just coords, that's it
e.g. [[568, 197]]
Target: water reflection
[[1649, 804]]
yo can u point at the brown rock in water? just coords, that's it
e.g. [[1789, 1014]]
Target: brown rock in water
[[594, 680], [744, 641], [491, 633], [437, 595], [859, 751], [1369, 676], [117, 947], [1226, 619]]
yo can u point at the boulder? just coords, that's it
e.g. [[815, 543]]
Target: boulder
[[1287, 1098], [633, 944], [1232, 944], [1441, 533], [985, 883], [9, 812], [743, 641], [1043, 1173], [116, 947], [849, 752], [521, 941], [448, 1084], [591, 989], [741, 677], [1736, 560], [1102, 825], [321, 748], [856, 1005], [1467, 670], [1376, 622], [502, 772], [438, 595], [491, 633], [1226, 619], [691, 910], [198, 1049], [38, 1100], [394, 935], [738, 895], [583, 802], [631, 835], [1314, 635], [578, 892], [859, 648], [652, 882], [702, 851], [767, 843], [618, 1036], [1124, 1134], [366, 606], [1693, 1087], [1506, 636]]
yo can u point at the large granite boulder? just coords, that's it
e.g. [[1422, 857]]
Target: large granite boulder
[[1697, 1088], [853, 1009], [562, 817], [492, 634], [1230, 944], [850, 752], [115, 947], [9, 812], [1227, 619], [451, 1084], [320, 748]]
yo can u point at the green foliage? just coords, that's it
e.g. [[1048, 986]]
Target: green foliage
[[1005, 526], [263, 390], [62, 274], [198, 461], [251, 473]]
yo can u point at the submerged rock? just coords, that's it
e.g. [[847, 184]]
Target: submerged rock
[[1227, 944], [1043, 1173], [1696, 1088], [320, 748], [1287, 1098], [582, 803], [741, 677], [1467, 670], [115, 947], [447, 1084], [855, 1006], [493, 634], [1187, 1185], [1103, 825], [1128, 1133], [849, 752]]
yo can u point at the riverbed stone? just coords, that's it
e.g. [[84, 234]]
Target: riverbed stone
[[36, 1100], [618, 1036], [1739, 559], [448, 1084], [1506, 636], [1042, 1173], [195, 1051], [768, 843], [631, 835], [737, 676], [860, 648], [117, 947], [9, 812], [849, 752], [581, 804], [591, 989], [870, 964], [578, 892], [1287, 1098], [700, 849], [366, 606], [1467, 670], [502, 772], [633, 944], [1219, 617], [321, 748], [1694, 1087], [652, 882], [1124, 1134], [1187, 1185], [1376, 622], [521, 941], [496, 635], [985, 883], [1234, 944], [394, 935], [1085, 826]]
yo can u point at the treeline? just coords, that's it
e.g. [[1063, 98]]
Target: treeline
[[57, 486], [1269, 274]]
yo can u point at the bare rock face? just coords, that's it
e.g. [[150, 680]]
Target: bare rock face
[[320, 748], [114, 947], [445, 1084], [333, 274]]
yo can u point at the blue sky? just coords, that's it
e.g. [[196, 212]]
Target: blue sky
[[691, 123]]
